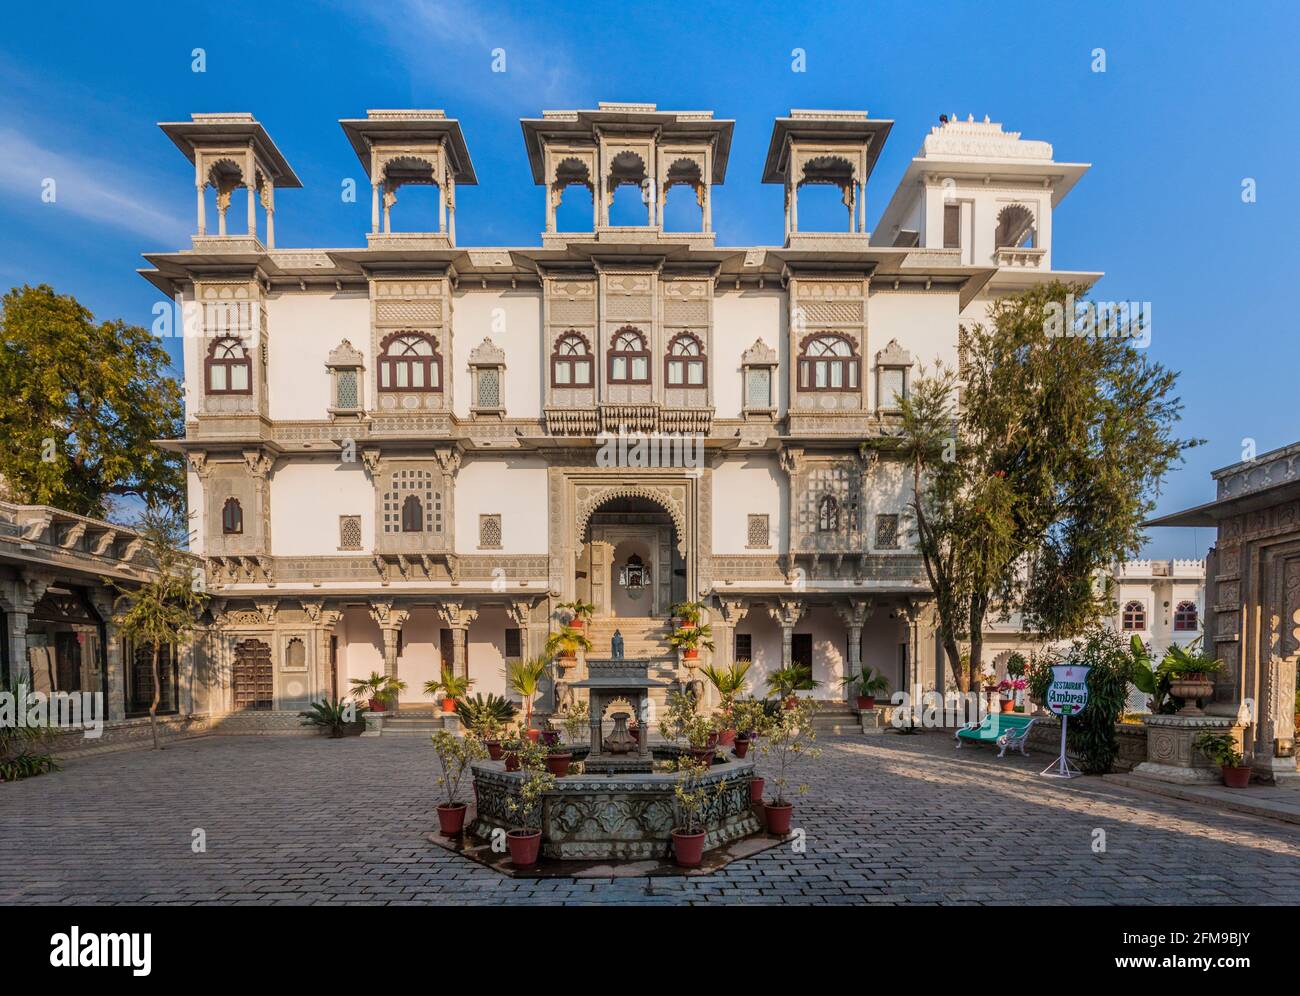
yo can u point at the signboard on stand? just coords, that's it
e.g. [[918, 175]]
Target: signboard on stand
[[1067, 696]]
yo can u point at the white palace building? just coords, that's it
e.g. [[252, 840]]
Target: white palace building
[[399, 453]]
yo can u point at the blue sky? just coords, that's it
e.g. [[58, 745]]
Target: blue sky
[[1196, 97]]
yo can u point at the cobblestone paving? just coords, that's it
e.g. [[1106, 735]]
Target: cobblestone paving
[[889, 820]]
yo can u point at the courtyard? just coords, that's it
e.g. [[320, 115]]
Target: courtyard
[[888, 820]]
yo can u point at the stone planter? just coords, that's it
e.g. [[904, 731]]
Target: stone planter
[[1172, 755], [1189, 688]]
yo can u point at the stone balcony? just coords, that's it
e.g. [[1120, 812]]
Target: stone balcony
[[628, 418], [1023, 259]]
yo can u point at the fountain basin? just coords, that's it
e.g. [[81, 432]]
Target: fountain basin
[[595, 817]]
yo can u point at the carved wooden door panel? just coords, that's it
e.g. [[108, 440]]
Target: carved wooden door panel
[[253, 680]]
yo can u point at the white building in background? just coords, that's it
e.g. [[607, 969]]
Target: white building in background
[[395, 449]]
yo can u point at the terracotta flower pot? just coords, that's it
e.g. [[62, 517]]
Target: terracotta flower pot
[[558, 764], [378, 705], [702, 755], [727, 737], [534, 734], [448, 705], [1008, 705], [756, 790], [524, 846], [778, 817], [712, 742], [577, 622], [512, 761], [493, 749], [688, 848], [451, 819], [691, 654], [789, 702], [1236, 778], [742, 747], [866, 702], [549, 738]]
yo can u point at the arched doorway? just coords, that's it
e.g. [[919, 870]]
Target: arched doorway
[[629, 565]]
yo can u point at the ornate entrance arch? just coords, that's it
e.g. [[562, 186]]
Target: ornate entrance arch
[[590, 499]]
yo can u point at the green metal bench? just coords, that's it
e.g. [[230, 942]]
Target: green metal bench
[[1005, 729]]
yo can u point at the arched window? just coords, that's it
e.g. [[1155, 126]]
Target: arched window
[[1015, 228], [828, 514], [629, 360], [228, 368], [827, 363], [1185, 617], [412, 515], [232, 516], [1135, 616], [571, 362], [410, 363], [685, 363]]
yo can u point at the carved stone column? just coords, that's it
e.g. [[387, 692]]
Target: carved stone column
[[854, 614], [457, 616], [1275, 758], [115, 707], [787, 613], [919, 615], [391, 621], [326, 620]]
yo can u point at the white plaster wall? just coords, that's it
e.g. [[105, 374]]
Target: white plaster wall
[[198, 524], [512, 319], [302, 329], [830, 646], [923, 322], [307, 498], [740, 318], [888, 492], [765, 637], [486, 649], [980, 206], [515, 487], [421, 658], [752, 485], [361, 647], [881, 637]]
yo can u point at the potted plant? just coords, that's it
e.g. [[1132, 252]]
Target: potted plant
[[729, 682], [453, 688], [455, 755], [564, 645], [524, 677], [788, 741], [1190, 671], [333, 717], [749, 717], [683, 725], [785, 682], [1007, 689], [689, 639], [870, 683], [579, 613], [687, 614], [487, 718], [691, 797], [1221, 748], [524, 839], [381, 690]]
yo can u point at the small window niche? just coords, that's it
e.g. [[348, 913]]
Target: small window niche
[[758, 369], [487, 365], [346, 367], [893, 377]]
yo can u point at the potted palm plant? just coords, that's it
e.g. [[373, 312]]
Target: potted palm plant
[[579, 613], [524, 677], [729, 682], [689, 638], [785, 682], [870, 683], [563, 645], [455, 755], [1190, 670], [1221, 748], [789, 742], [453, 688], [524, 839], [381, 690], [687, 614], [487, 718]]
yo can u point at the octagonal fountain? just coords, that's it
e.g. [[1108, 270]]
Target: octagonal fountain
[[622, 806]]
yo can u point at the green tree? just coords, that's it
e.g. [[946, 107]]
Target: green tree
[[1041, 476], [80, 403], [164, 609]]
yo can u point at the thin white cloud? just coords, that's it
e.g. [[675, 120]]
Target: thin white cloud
[[536, 68], [97, 190]]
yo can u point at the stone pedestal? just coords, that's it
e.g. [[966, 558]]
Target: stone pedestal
[[874, 721], [451, 722], [374, 724], [1171, 754]]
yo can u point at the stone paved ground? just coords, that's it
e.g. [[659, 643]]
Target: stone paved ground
[[889, 820]]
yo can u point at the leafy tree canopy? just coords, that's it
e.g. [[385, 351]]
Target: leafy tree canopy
[[1034, 467], [80, 403]]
